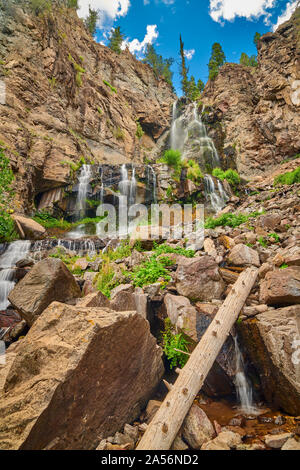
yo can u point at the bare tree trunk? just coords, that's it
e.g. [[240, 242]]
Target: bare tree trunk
[[166, 423]]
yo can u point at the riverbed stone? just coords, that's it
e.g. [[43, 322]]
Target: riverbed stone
[[278, 440], [197, 428], [291, 444], [47, 281], [70, 383]]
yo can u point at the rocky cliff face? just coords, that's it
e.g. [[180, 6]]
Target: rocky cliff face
[[254, 115], [68, 97]]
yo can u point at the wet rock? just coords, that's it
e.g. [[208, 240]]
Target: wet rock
[[199, 279], [243, 255], [88, 357], [281, 287], [25, 263], [226, 440], [279, 420], [197, 428], [270, 344], [47, 281], [28, 228], [291, 444], [277, 441]]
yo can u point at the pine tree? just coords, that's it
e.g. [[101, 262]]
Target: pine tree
[[91, 21], [200, 86], [216, 61], [116, 39], [248, 61], [256, 38], [185, 85], [160, 66]]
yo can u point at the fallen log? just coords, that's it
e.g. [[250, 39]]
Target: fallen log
[[165, 425]]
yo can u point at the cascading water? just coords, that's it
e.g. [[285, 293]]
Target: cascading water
[[243, 387], [216, 199], [151, 184], [189, 135], [83, 186], [14, 253]]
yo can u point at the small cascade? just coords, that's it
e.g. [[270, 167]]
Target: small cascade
[[127, 187], [243, 387], [216, 198], [83, 246], [14, 253], [101, 186], [83, 186], [151, 184]]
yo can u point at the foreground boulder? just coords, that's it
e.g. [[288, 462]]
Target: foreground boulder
[[272, 342], [78, 376], [281, 287], [48, 280], [197, 428], [199, 279]]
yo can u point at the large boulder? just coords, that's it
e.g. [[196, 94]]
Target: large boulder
[[281, 287], [273, 345], [199, 279], [48, 280], [243, 255], [29, 228], [78, 376]]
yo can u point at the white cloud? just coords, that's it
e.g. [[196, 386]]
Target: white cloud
[[189, 54], [229, 9], [140, 46], [286, 14], [109, 9]]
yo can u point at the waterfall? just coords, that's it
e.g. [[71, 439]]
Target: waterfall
[[14, 253], [243, 387], [127, 187], [189, 135], [152, 183], [218, 198], [83, 186], [102, 186]]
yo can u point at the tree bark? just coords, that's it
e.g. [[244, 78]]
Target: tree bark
[[166, 423]]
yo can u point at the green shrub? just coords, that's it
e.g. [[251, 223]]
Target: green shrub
[[173, 342], [150, 271], [167, 249], [230, 175], [194, 172], [288, 178], [139, 131], [105, 279], [230, 220], [172, 158]]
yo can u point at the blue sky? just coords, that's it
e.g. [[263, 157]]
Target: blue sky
[[233, 23]]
